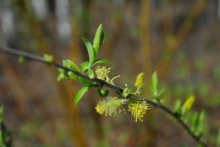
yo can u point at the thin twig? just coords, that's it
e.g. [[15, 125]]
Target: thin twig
[[104, 83]]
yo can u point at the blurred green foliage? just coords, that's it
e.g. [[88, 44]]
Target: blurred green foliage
[[5, 137]]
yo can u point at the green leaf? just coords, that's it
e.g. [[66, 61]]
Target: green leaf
[[91, 74], [83, 81], [112, 80], [61, 70], [70, 64], [90, 51], [80, 79], [154, 83], [194, 121], [1, 111], [80, 94], [178, 107], [201, 125], [98, 39], [97, 68], [119, 93], [1, 139], [22, 59], [160, 92], [127, 91], [85, 66], [72, 75], [107, 79], [101, 92], [218, 139], [48, 58], [61, 75], [101, 61]]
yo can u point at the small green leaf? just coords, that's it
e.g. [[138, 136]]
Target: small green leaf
[[70, 64], [61, 70], [97, 68], [107, 79], [71, 75], [98, 39], [61, 75], [119, 93], [154, 83], [127, 91], [1, 111], [85, 66], [101, 92], [80, 79], [218, 139], [124, 93], [160, 92], [112, 80], [194, 121], [22, 59], [201, 125], [178, 107], [90, 51], [83, 81], [91, 74], [80, 94], [101, 61], [1, 139], [48, 58]]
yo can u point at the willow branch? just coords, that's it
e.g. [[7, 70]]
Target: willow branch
[[32, 57]]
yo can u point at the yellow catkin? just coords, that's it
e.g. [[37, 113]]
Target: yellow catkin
[[139, 81], [188, 103], [102, 72], [110, 106], [138, 109]]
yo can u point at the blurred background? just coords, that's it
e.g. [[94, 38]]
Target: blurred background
[[180, 39]]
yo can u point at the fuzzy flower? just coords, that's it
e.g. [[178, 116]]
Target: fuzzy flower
[[188, 103], [102, 72], [138, 109], [139, 81], [110, 106]]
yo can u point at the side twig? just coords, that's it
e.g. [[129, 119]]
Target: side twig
[[32, 57]]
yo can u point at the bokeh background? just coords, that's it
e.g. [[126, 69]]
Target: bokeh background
[[180, 39]]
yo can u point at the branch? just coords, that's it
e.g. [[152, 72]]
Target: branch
[[32, 57]]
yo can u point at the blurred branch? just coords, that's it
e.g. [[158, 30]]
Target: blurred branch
[[145, 37], [173, 45], [32, 57]]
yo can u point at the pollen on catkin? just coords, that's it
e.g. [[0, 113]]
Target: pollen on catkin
[[139, 81], [102, 72], [110, 106], [138, 109]]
